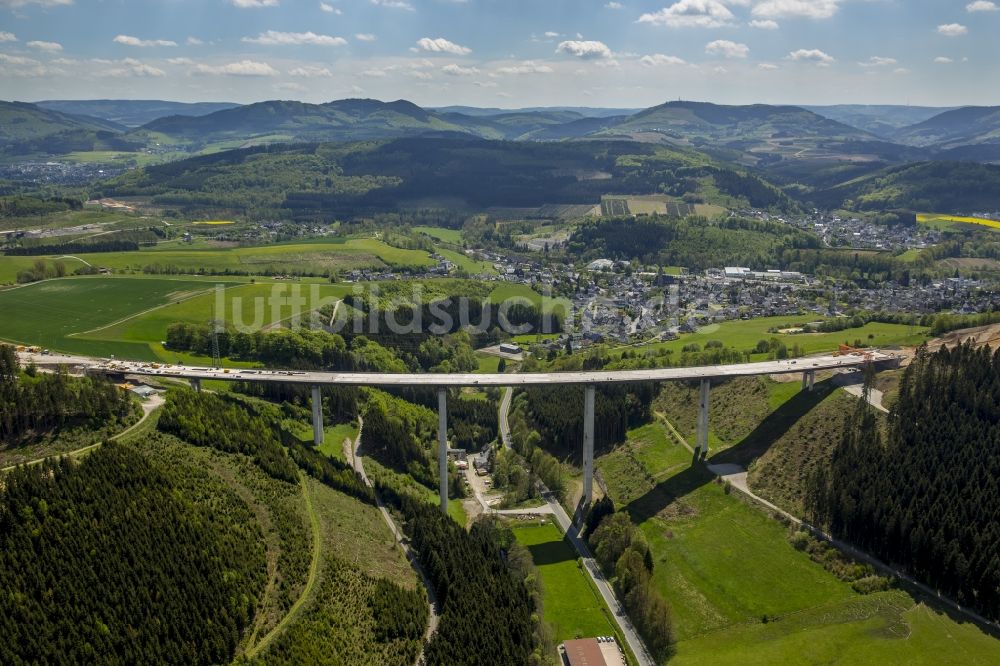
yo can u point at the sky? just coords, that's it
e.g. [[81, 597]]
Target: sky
[[505, 53]]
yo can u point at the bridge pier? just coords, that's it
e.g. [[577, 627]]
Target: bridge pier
[[443, 447], [588, 447], [196, 384], [808, 380], [701, 448], [317, 413]]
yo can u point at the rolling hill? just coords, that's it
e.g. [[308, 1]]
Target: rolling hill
[[920, 186], [133, 112], [879, 119], [972, 132], [757, 134], [345, 120], [26, 129]]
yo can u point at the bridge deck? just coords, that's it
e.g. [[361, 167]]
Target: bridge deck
[[434, 380]]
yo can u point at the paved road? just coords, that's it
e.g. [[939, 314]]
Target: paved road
[[590, 565], [353, 453], [853, 383], [434, 380]]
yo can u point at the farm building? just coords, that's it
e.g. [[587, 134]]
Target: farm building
[[602, 651], [509, 348]]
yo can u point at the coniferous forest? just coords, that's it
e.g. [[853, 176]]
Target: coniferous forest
[[926, 494], [486, 615], [103, 562], [31, 406]]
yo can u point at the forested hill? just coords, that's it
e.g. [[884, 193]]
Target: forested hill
[[927, 496], [921, 186], [132, 112], [350, 180], [26, 128]]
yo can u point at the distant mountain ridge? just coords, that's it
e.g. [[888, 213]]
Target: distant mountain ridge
[[133, 112], [879, 119], [966, 126]]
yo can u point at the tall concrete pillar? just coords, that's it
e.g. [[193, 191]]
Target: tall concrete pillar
[[588, 444], [196, 384], [317, 407], [805, 381], [443, 446], [702, 438], [812, 379]]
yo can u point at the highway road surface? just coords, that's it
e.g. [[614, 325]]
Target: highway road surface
[[434, 380]]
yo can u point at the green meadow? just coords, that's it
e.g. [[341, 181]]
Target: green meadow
[[570, 604], [740, 593]]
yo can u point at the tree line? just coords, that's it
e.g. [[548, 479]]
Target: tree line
[[925, 495], [486, 611], [32, 406]]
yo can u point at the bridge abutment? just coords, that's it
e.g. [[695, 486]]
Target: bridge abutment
[[196, 384]]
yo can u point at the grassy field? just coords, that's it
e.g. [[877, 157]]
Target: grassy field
[[741, 593], [570, 604], [320, 258], [333, 439], [442, 234], [464, 263], [47, 313]]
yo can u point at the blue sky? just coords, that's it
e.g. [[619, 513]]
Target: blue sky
[[506, 53]]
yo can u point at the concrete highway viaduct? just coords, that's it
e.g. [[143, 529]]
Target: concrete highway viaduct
[[808, 367]]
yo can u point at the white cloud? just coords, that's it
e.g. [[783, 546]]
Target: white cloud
[[128, 40], [764, 24], [17, 60], [14, 4], [814, 9], [878, 61], [241, 68], [365, 37], [458, 70], [329, 9], [693, 14], [310, 72], [727, 49], [952, 30], [981, 6], [813, 55], [194, 41], [552, 35], [374, 73], [943, 60], [276, 38], [587, 49], [253, 4], [767, 66], [525, 67], [8, 37], [441, 45], [660, 59], [614, 5], [131, 67], [393, 4], [51, 47], [180, 61]]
